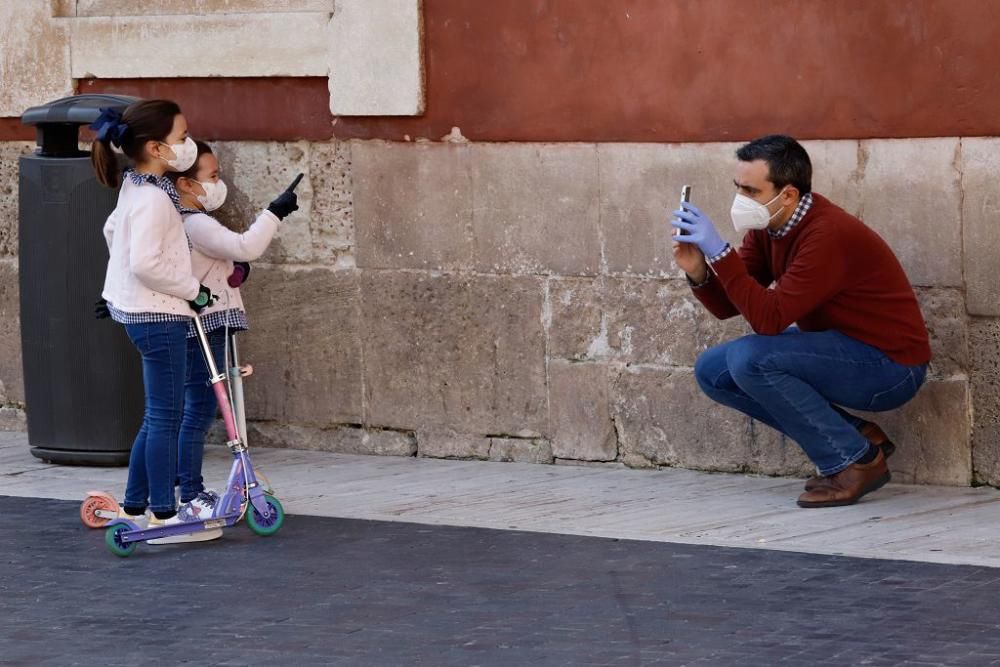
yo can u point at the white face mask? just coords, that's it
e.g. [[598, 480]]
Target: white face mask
[[215, 195], [749, 214], [185, 155]]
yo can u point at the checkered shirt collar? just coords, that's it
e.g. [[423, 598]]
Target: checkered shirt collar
[[161, 182], [800, 212]]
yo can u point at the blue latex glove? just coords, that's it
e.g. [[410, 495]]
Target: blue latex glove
[[697, 228]]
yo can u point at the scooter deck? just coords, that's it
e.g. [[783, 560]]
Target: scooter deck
[[231, 518], [135, 534]]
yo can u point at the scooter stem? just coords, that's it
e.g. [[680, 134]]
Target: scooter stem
[[218, 384], [236, 387]]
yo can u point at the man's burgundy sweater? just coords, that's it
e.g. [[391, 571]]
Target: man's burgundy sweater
[[829, 272]]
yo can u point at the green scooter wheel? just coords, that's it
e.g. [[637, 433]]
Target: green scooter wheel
[[113, 540], [265, 526]]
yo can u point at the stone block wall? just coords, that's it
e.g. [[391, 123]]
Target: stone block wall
[[11, 377], [517, 301], [48, 46]]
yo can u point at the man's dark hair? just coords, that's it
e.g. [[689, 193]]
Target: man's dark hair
[[787, 162]]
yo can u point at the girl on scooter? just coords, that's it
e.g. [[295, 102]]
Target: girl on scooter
[[149, 286], [220, 259]]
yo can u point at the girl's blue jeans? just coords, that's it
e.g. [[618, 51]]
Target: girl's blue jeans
[[153, 461], [199, 413]]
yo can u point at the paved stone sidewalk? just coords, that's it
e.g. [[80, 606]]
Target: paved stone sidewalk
[[934, 524]]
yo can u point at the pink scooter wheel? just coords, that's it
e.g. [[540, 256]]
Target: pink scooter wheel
[[97, 500]]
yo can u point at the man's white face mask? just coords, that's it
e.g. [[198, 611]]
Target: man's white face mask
[[749, 214]]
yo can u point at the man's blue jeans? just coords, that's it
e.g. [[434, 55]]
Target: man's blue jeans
[[199, 413], [153, 462], [799, 382]]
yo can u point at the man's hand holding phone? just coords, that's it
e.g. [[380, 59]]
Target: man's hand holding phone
[[687, 255]]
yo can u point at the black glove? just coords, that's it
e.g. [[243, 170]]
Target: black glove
[[101, 311], [287, 201], [203, 299], [241, 271], [284, 204]]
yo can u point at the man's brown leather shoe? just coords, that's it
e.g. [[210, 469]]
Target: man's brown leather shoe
[[848, 485], [874, 435]]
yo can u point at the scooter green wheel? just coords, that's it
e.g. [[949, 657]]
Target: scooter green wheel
[[112, 539], [265, 526]]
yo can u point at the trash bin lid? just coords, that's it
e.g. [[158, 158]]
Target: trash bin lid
[[78, 109]]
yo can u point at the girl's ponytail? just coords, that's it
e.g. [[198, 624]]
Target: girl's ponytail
[[128, 132], [105, 163]]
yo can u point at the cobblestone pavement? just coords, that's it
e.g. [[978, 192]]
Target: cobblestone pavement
[[350, 592]]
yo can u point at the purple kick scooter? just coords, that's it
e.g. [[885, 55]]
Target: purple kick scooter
[[244, 494], [99, 508]]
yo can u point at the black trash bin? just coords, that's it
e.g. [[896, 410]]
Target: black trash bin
[[82, 376]]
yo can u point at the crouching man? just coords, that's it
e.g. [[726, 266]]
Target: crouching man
[[859, 340]]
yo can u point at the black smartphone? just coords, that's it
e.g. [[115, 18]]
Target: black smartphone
[[685, 197]]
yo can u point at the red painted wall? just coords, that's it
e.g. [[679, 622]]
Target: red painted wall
[[705, 70], [230, 108], [653, 70]]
